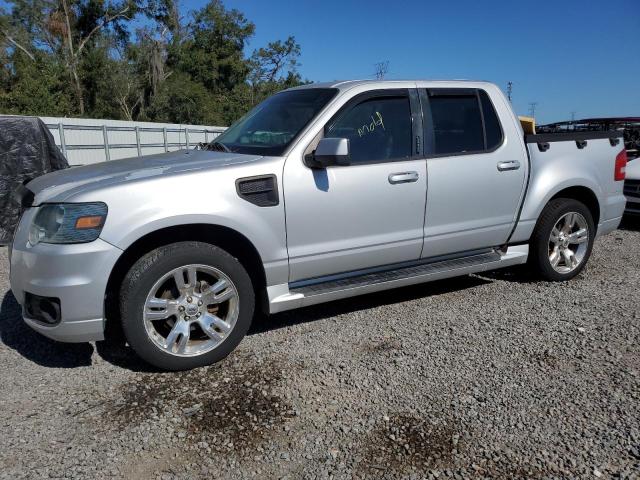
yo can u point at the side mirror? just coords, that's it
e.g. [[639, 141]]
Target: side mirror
[[330, 151]]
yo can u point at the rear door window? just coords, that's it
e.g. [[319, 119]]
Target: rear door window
[[464, 122]]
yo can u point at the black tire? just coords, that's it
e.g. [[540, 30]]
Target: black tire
[[150, 268], [539, 261]]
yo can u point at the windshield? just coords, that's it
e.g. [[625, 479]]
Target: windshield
[[270, 127]]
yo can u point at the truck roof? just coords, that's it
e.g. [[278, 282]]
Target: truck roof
[[348, 84]]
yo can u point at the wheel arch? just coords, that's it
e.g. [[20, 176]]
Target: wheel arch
[[230, 240], [584, 195], [546, 188]]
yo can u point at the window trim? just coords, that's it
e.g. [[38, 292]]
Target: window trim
[[415, 117], [429, 132]]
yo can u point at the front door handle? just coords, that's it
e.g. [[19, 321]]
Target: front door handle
[[403, 177], [508, 165]]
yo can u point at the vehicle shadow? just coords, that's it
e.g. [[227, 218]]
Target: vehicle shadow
[[631, 223], [16, 334], [264, 323], [115, 351], [515, 274]]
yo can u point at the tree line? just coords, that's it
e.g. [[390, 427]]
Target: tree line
[[140, 60]]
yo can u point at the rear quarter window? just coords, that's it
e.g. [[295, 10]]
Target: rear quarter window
[[492, 127], [464, 123]]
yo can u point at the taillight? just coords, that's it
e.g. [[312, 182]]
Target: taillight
[[621, 166]]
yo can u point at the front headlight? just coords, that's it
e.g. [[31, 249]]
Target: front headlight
[[68, 223]]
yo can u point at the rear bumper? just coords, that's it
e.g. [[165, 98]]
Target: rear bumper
[[632, 192], [75, 274], [608, 226], [633, 206], [611, 214]]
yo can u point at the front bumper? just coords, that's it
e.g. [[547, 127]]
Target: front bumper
[[77, 274]]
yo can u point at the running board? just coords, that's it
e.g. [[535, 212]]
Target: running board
[[289, 296]]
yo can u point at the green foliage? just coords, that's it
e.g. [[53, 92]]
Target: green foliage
[[35, 88], [81, 58], [213, 53], [183, 100]]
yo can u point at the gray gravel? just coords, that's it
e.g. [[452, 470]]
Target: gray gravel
[[484, 376]]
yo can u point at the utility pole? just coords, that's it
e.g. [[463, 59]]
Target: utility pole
[[382, 68], [532, 109], [573, 116], [509, 90]]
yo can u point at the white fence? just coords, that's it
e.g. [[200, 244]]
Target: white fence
[[84, 141]]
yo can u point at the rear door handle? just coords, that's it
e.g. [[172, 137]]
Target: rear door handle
[[403, 177], [508, 165]]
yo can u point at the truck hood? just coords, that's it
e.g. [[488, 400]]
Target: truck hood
[[60, 185]]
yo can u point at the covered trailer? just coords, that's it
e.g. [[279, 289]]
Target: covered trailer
[[27, 150]]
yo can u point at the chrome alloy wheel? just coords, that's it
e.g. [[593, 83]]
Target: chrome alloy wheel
[[190, 310], [568, 242]]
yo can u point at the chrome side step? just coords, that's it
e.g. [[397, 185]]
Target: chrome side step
[[397, 274], [289, 296]]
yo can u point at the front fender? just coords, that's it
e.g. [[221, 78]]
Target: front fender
[[199, 198]]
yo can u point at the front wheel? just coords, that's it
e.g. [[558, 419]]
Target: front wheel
[[186, 305], [562, 240]]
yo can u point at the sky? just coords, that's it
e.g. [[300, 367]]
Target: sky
[[572, 57], [566, 55]]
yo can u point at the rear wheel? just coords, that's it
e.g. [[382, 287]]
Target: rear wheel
[[186, 305], [562, 240]]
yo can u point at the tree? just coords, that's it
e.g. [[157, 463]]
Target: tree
[[81, 58], [80, 24], [128, 91], [7, 31], [182, 100], [35, 87], [213, 55], [269, 63], [273, 68]]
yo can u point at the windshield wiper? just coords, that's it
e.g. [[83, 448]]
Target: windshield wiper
[[218, 147]]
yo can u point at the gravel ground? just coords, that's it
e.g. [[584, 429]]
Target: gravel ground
[[483, 376]]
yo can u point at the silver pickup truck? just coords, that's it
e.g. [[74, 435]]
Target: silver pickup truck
[[319, 193]]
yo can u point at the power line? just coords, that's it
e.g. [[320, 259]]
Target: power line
[[509, 89], [382, 68], [532, 109]]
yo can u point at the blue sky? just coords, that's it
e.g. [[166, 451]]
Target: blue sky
[[567, 55]]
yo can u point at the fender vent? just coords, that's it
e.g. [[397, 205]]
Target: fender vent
[[261, 190]]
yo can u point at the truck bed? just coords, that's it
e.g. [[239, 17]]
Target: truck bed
[[579, 160]]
